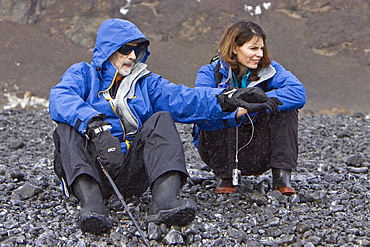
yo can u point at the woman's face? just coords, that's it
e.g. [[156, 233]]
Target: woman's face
[[250, 53]]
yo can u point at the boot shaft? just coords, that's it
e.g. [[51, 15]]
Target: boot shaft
[[87, 191]]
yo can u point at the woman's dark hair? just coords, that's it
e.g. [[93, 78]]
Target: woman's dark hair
[[237, 34]]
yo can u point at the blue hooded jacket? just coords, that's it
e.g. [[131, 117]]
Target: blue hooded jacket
[[281, 84], [79, 95]]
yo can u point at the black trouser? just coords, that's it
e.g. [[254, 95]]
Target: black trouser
[[155, 150], [274, 145]]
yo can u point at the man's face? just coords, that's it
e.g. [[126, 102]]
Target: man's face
[[124, 63]]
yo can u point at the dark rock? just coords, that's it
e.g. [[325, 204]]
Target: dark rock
[[28, 190], [302, 228], [258, 198], [173, 237], [10, 224], [16, 173], [154, 231], [287, 240], [355, 160], [358, 169], [2, 170], [359, 115], [16, 145], [46, 239]]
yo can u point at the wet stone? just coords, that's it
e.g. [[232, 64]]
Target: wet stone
[[355, 160], [16, 173], [154, 231], [10, 225], [358, 169], [16, 145], [173, 237], [28, 190]]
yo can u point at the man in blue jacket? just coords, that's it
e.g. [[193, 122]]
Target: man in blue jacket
[[118, 110]]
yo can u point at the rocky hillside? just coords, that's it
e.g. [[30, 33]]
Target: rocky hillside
[[325, 43]]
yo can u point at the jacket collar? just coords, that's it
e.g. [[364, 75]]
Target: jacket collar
[[264, 74]]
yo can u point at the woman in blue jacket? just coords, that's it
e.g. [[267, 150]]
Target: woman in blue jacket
[[268, 139], [118, 110]]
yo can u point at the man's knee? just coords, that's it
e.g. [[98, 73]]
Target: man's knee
[[162, 122], [163, 115], [63, 128], [290, 116]]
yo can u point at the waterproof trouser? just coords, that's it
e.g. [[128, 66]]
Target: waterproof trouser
[[155, 150], [274, 145]]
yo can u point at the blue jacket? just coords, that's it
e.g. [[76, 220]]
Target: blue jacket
[[79, 95], [281, 84]]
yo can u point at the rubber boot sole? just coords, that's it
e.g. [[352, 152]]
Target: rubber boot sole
[[288, 191], [226, 189], [180, 216], [94, 223]]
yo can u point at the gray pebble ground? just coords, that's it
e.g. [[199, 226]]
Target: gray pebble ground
[[331, 208]]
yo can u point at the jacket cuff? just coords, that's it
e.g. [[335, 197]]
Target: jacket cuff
[[232, 120]]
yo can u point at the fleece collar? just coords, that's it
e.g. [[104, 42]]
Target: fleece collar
[[264, 74]]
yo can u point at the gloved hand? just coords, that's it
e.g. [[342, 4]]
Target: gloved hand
[[105, 145], [96, 125], [272, 104], [233, 97]]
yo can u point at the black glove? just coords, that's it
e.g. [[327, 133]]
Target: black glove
[[233, 97], [105, 145], [272, 104]]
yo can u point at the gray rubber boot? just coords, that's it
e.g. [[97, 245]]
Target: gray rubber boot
[[165, 207], [281, 181], [225, 186], [93, 217]]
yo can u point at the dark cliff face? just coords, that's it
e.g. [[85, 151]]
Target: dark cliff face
[[325, 43]]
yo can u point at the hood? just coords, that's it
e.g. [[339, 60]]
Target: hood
[[111, 35]]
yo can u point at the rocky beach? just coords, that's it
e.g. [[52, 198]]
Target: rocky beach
[[330, 209]]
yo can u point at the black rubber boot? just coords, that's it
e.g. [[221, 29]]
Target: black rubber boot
[[281, 181], [165, 207], [93, 217]]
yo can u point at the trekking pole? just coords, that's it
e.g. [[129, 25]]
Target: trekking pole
[[120, 197]]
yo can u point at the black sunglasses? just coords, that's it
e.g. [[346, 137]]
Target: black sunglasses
[[127, 49]]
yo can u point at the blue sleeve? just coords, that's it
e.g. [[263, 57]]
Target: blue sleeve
[[288, 89], [206, 77], [187, 105], [67, 103]]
